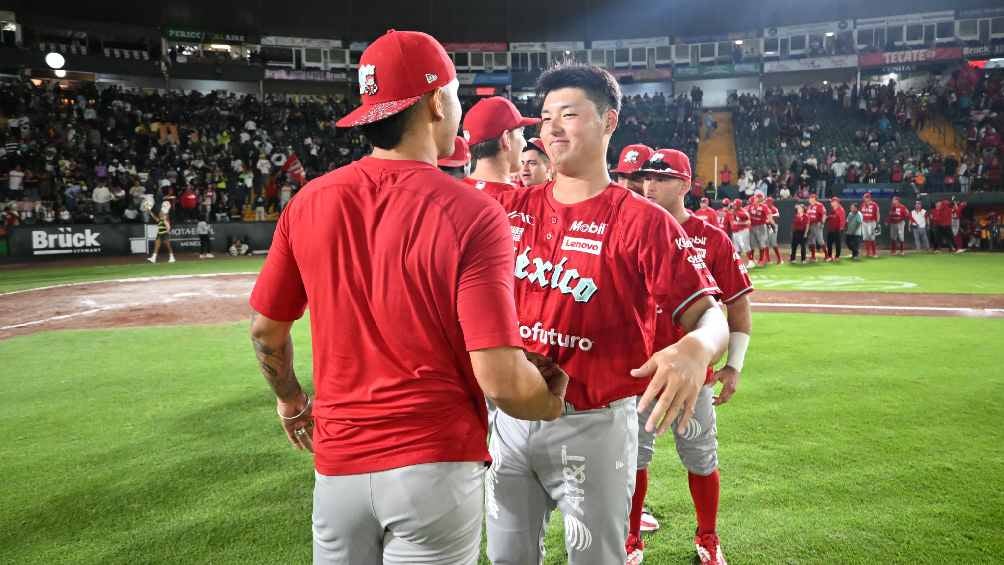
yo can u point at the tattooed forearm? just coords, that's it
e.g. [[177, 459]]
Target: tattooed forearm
[[276, 363]]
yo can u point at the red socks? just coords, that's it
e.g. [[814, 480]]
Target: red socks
[[777, 253], [812, 249], [637, 501], [704, 491]]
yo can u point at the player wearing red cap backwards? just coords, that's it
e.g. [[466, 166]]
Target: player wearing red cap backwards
[[407, 274], [458, 164], [725, 217], [494, 129], [628, 165], [594, 261], [707, 213], [775, 215], [871, 216], [666, 183], [534, 164]]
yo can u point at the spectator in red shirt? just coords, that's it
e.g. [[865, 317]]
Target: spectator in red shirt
[[725, 175], [399, 421]]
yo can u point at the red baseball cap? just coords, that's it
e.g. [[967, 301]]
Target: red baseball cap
[[726, 201], [460, 157], [668, 162], [536, 144], [868, 195], [395, 71], [490, 117], [738, 202], [632, 158]]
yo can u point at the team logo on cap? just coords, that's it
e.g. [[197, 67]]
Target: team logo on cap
[[367, 80], [656, 158], [631, 156], [467, 135], [430, 78]]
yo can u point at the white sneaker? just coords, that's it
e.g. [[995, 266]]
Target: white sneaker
[[963, 250], [648, 521], [170, 259], [202, 255], [209, 255], [152, 258]]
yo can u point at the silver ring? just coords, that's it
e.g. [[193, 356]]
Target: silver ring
[[301, 431]]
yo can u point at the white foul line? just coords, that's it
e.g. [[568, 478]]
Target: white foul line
[[127, 280], [971, 311]]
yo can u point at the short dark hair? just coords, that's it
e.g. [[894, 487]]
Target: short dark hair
[[599, 85], [486, 149], [388, 132]]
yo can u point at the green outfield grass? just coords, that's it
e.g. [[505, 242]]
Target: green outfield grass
[[851, 440], [970, 273]]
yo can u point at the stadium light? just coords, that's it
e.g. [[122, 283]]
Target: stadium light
[[55, 60], [829, 34], [567, 52], [739, 42], [60, 73]]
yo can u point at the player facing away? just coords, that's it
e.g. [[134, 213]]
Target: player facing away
[[593, 262], [666, 184], [398, 425], [457, 164], [816, 213], [898, 216], [494, 129], [775, 215], [628, 170]]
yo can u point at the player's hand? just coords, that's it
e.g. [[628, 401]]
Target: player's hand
[[299, 431], [678, 374], [729, 377], [555, 377]]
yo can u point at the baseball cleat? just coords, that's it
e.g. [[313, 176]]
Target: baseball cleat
[[635, 550], [648, 521], [709, 549], [151, 259], [170, 259]]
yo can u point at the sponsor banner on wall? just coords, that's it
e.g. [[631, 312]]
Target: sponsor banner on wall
[[306, 74], [706, 71], [913, 56], [547, 46], [629, 43], [487, 79], [196, 36], [980, 13], [487, 47], [921, 18], [285, 41], [809, 29], [643, 75], [814, 64], [983, 51]]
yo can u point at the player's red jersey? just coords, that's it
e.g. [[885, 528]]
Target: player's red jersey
[[775, 214], [725, 220], [898, 214], [759, 214], [491, 188], [869, 211], [957, 209], [588, 278], [816, 212], [740, 220], [393, 380], [836, 220], [942, 215], [714, 246], [708, 215], [799, 223]]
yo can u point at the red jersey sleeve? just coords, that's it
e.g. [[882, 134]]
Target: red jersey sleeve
[[279, 293], [729, 271], [486, 307], [675, 276]]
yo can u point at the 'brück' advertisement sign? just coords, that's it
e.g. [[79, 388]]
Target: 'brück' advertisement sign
[[65, 241]]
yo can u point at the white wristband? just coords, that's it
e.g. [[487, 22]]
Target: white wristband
[[738, 343]]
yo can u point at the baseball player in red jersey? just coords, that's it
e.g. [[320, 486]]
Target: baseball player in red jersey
[[399, 421], [494, 129], [593, 262], [628, 165], [665, 184], [739, 225], [534, 164], [707, 213], [836, 222], [957, 209], [817, 215], [773, 227], [898, 215], [760, 221], [457, 164], [870, 218], [725, 217]]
